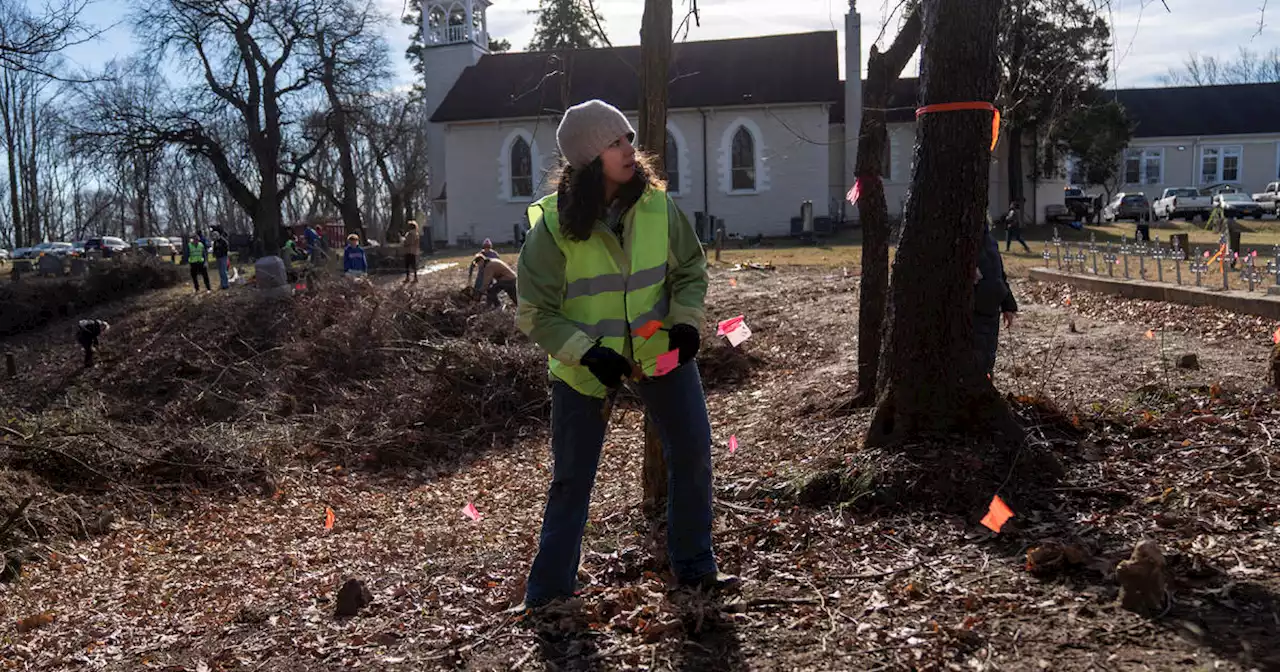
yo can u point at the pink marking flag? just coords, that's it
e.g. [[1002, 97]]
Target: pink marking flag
[[855, 192], [667, 362], [735, 329], [733, 443], [472, 512], [728, 325]]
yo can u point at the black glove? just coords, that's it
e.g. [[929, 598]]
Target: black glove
[[607, 366], [686, 339]]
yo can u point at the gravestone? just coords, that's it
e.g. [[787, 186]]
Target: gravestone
[[272, 278], [49, 265], [79, 266]]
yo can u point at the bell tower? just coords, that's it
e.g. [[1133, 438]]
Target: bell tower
[[455, 34]]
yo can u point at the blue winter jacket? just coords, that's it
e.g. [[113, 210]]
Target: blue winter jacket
[[353, 259]]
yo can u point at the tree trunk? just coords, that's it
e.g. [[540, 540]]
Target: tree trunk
[[349, 204], [1013, 141], [655, 55], [873, 211], [933, 382]]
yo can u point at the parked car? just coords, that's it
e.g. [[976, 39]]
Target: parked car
[[108, 245], [58, 249], [1079, 204], [1127, 206], [1269, 198], [23, 253], [1181, 203], [1238, 205], [77, 248], [4, 255], [157, 244]]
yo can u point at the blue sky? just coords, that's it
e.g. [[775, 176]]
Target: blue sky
[[1148, 39]]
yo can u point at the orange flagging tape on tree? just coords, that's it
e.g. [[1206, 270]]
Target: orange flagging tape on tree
[[997, 514], [957, 107]]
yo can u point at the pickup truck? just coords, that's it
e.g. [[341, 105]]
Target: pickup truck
[[1182, 203], [1078, 205], [1269, 198]]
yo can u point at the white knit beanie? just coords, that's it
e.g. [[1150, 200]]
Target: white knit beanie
[[588, 129]]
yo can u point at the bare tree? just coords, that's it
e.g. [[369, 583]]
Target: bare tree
[[1248, 67], [254, 73], [353, 63], [27, 40], [395, 130]]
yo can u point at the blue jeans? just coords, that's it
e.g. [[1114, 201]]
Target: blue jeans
[[222, 271], [679, 410]]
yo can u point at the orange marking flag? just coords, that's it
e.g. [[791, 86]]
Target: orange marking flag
[[1275, 336], [648, 329], [328, 518], [997, 514], [1151, 334], [733, 444]]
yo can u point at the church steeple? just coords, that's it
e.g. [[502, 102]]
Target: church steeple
[[446, 22]]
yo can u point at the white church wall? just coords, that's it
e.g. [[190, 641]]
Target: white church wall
[[481, 202], [791, 144]]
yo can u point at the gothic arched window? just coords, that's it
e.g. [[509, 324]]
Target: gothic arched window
[[521, 169], [743, 160]]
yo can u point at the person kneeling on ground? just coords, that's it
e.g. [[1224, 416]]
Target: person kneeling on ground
[[486, 253], [992, 299], [495, 277], [87, 333], [599, 338], [353, 259]]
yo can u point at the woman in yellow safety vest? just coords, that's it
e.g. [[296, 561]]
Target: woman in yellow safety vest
[[612, 281]]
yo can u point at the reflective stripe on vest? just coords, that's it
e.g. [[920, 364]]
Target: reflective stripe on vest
[[606, 302], [195, 253]]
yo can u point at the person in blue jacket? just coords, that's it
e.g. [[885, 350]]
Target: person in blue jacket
[[353, 259]]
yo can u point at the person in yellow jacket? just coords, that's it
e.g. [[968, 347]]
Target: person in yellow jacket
[[611, 283]]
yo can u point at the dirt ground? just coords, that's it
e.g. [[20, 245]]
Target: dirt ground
[[228, 579]]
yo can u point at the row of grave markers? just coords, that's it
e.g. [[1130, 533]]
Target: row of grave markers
[[1085, 260]]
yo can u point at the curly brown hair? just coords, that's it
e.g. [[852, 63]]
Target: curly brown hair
[[581, 192]]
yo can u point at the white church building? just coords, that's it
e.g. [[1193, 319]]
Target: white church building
[[756, 126]]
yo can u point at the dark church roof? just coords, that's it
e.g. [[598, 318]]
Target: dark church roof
[[775, 69]]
